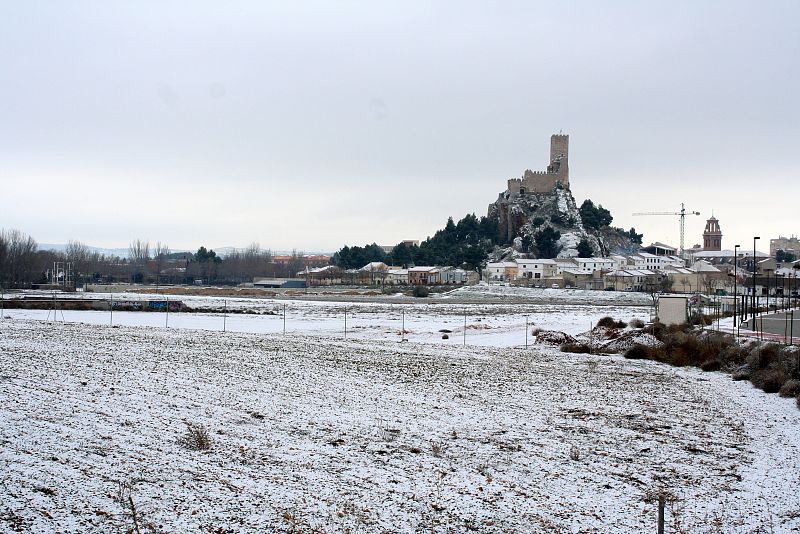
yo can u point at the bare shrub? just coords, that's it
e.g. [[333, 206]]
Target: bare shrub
[[577, 348], [437, 448], [769, 380], [798, 401], [196, 438], [763, 356], [610, 322], [637, 323], [421, 291], [711, 365], [574, 453], [658, 330], [791, 388], [637, 352]]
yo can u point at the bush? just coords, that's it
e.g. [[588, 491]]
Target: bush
[[609, 322], [769, 380], [798, 401], [637, 323], [711, 365], [421, 291], [637, 352], [196, 437], [658, 330], [577, 348], [791, 388]]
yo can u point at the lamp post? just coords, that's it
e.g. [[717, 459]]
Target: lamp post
[[753, 296], [735, 293]]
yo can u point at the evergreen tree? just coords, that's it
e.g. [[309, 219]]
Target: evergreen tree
[[546, 241], [585, 249]]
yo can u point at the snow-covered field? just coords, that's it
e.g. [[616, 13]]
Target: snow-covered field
[[487, 324], [313, 432]]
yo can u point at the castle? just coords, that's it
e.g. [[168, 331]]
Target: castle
[[545, 181]]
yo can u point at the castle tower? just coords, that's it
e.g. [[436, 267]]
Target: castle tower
[[559, 158], [712, 235], [559, 146]]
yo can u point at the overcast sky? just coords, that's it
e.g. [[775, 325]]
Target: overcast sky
[[310, 125]]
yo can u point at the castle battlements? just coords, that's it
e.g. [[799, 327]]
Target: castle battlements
[[545, 181]]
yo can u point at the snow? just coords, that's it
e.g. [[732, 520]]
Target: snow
[[312, 431]]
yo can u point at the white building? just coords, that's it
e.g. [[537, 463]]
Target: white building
[[536, 269], [594, 264]]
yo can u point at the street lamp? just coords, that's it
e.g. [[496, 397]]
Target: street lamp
[[753, 296], [735, 293]]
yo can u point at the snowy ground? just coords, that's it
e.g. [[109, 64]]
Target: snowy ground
[[369, 435], [490, 324]]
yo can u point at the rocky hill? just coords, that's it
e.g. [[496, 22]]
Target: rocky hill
[[539, 206]]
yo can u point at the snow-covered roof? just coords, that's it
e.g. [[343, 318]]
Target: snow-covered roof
[[375, 266], [630, 272], [702, 266], [577, 271], [501, 264], [422, 269]]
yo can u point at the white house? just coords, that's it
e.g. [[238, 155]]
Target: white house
[[453, 275], [594, 264], [501, 271], [397, 277], [536, 269]]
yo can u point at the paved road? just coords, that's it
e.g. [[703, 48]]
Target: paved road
[[778, 324]]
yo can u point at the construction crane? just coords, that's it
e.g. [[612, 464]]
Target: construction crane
[[682, 213]]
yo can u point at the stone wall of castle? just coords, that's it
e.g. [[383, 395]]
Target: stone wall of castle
[[545, 181]]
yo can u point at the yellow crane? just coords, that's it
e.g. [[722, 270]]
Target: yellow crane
[[682, 213]]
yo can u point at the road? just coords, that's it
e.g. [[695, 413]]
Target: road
[[778, 324]]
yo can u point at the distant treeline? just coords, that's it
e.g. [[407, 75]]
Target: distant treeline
[[463, 244], [22, 264]]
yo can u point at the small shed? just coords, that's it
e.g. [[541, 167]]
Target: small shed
[[673, 309]]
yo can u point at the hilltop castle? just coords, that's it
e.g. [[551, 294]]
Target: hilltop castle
[[545, 181]]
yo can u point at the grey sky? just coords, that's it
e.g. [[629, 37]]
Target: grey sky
[[312, 125]]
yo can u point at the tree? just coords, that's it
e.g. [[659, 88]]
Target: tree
[[594, 217], [546, 241], [585, 249], [77, 254], [160, 253], [17, 259], [634, 237]]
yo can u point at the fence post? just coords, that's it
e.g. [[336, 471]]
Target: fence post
[[465, 328], [661, 513], [111, 308], [284, 318], [345, 322], [167, 319], [403, 326], [2, 302], [526, 331], [225, 315]]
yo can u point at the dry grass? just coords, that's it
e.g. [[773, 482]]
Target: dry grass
[[196, 438]]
